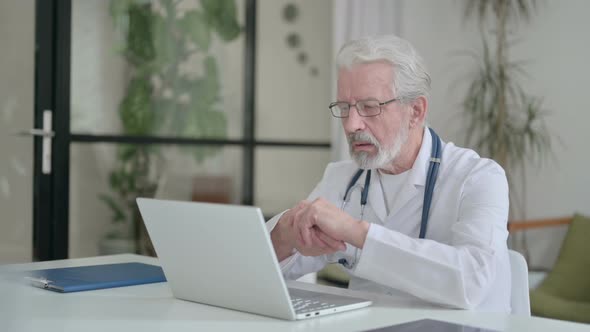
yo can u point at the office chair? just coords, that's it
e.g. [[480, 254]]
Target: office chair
[[519, 296]]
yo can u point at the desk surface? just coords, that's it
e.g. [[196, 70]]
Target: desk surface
[[153, 308]]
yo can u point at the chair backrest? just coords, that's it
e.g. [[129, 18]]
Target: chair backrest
[[519, 297]]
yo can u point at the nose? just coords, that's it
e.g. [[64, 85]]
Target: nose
[[354, 122]]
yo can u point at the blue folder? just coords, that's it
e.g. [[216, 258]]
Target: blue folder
[[84, 278]]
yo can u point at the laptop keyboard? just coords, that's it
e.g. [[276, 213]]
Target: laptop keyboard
[[303, 305], [311, 303]]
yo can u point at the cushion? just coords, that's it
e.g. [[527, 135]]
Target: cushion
[[551, 306], [570, 277]]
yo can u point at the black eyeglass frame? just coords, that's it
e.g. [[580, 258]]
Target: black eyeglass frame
[[336, 103]]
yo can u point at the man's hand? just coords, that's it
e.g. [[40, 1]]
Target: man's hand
[[321, 244], [285, 237], [324, 218]]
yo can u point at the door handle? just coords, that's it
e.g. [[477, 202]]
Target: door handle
[[36, 132], [47, 134]]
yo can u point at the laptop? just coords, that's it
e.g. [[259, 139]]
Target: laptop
[[222, 255], [430, 325]]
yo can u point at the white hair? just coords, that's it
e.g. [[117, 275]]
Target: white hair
[[410, 80]]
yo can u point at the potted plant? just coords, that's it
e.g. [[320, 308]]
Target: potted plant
[[166, 95], [505, 122]]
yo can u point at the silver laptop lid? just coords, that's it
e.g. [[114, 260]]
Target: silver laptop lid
[[217, 254]]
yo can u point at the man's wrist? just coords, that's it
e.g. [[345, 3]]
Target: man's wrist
[[359, 231], [280, 240]]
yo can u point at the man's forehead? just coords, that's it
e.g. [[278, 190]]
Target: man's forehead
[[369, 66], [372, 72], [365, 77]]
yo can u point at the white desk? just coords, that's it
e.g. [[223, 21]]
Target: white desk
[[152, 308]]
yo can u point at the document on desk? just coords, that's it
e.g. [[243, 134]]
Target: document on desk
[[425, 325], [84, 278]]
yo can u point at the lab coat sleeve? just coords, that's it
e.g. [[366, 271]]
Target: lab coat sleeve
[[458, 274], [297, 265]]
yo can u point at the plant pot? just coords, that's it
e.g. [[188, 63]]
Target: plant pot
[[212, 189]]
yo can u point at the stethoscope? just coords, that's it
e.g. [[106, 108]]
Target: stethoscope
[[435, 158]]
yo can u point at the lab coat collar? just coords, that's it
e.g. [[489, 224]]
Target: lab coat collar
[[417, 177], [418, 171]]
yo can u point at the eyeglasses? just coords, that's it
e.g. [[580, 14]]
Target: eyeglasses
[[366, 107]]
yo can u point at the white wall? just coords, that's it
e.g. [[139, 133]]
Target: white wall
[[556, 45], [17, 37], [291, 104]]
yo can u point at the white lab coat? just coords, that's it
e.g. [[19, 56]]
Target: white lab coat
[[463, 261]]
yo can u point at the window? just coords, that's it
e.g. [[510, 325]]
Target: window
[[222, 116]]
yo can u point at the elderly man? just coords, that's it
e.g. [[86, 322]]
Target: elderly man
[[412, 216]]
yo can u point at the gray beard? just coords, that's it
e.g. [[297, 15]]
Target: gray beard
[[385, 156]]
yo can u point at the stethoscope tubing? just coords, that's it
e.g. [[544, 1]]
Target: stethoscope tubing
[[435, 160]]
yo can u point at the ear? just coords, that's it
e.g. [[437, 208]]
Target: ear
[[419, 107]]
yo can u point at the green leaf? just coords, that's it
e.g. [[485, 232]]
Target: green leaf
[[201, 153], [206, 124], [127, 152], [213, 7], [515, 9], [194, 23], [118, 8], [165, 44], [222, 17], [135, 110], [140, 47], [215, 124], [227, 28], [114, 180], [210, 67], [205, 91], [118, 211], [119, 13], [166, 111], [127, 179], [205, 121], [180, 117]]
